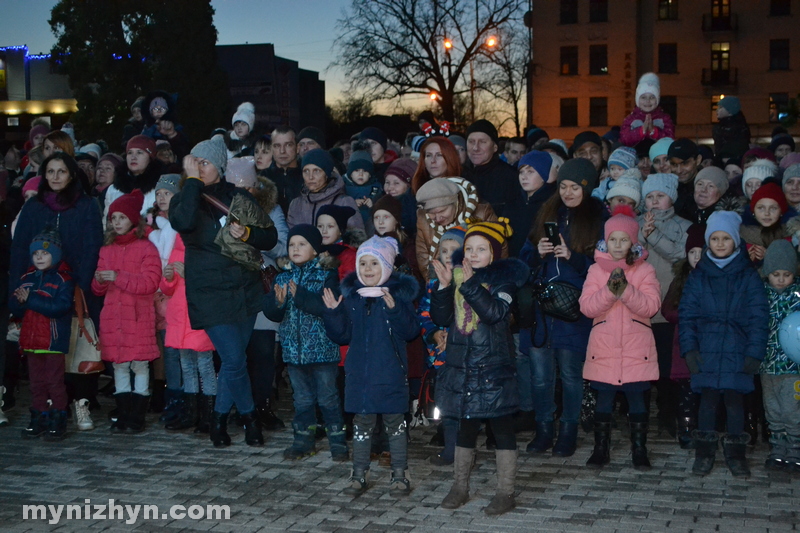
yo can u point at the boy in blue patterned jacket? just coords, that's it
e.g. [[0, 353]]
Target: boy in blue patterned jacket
[[311, 358]]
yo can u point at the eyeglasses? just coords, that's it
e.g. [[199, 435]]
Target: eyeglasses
[[158, 109]]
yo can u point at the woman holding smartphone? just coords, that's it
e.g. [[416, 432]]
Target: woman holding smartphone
[[563, 255]]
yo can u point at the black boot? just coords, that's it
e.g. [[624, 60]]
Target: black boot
[[219, 429], [686, 426], [638, 423], [543, 440], [735, 447], [567, 439], [123, 400], [524, 421], [171, 400], [205, 406], [159, 396], [491, 443], [37, 426], [137, 412], [57, 425], [602, 441], [252, 429], [269, 421], [188, 415], [588, 403], [705, 451]]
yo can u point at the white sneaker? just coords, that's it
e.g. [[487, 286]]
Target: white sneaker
[[3, 417], [82, 418]]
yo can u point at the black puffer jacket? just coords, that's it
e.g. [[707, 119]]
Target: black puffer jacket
[[218, 289], [480, 377]]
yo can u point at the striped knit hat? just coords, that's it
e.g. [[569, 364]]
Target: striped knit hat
[[495, 232]]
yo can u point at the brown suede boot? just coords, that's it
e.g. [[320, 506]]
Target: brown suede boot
[[503, 500], [462, 467]]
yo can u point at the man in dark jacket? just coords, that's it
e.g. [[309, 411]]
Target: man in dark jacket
[[285, 170], [731, 134], [495, 180], [685, 158]]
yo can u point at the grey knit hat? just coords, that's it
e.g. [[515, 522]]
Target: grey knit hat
[[213, 151], [666, 183], [792, 172], [168, 182], [715, 175], [780, 256]]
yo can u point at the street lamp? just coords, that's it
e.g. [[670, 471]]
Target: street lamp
[[490, 43]]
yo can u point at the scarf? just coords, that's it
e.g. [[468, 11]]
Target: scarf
[[51, 201], [371, 292], [466, 319], [128, 238], [469, 195], [725, 261]]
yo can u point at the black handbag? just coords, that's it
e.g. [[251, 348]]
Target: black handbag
[[557, 299]]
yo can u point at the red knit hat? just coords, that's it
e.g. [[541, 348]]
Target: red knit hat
[[142, 142], [129, 205], [623, 220], [772, 191]]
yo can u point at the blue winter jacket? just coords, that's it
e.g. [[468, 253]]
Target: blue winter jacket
[[302, 331], [376, 368], [724, 314]]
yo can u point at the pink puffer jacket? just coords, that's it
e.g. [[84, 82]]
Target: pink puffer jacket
[[621, 346], [128, 318], [179, 332]]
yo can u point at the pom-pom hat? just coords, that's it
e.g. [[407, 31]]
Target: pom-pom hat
[[495, 232], [624, 220]]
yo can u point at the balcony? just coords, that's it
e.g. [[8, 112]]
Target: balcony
[[713, 23], [720, 78]]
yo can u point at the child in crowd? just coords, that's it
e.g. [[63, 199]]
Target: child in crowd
[[473, 300], [779, 374], [360, 183], [626, 191], [43, 298], [621, 293], [768, 206], [311, 358], [241, 139], [128, 274], [723, 318], [387, 214], [339, 242], [397, 184], [375, 316], [647, 120], [755, 174], [621, 159]]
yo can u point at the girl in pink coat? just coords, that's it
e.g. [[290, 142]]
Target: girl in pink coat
[[621, 294], [128, 273], [647, 120]]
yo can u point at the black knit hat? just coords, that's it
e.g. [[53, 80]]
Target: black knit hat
[[583, 138], [340, 213], [483, 126], [580, 171], [682, 149], [320, 158], [315, 134], [309, 233], [374, 134]]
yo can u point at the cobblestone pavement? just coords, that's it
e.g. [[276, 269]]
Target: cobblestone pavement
[[267, 493]]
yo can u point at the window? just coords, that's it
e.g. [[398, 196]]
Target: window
[[720, 9], [569, 112], [569, 12], [598, 59], [714, 104], [720, 56], [598, 10], [779, 54], [667, 9], [670, 105], [569, 60], [780, 8], [598, 111], [778, 103], [668, 58], [12, 121]]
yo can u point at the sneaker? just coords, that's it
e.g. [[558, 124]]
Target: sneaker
[[399, 485], [356, 484], [82, 418]]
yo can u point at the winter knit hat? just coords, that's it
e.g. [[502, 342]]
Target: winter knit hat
[[214, 151], [384, 249], [628, 187], [92, 149], [534, 135], [158, 101], [583, 138], [580, 171], [483, 126], [454, 234], [789, 160], [633, 174], [31, 185], [315, 134], [373, 134], [660, 147], [242, 172], [391, 205], [666, 183], [715, 175], [624, 157], [320, 158], [403, 168], [418, 141], [50, 241], [541, 162], [39, 129], [682, 149], [129, 205], [495, 232], [780, 255], [780, 140], [246, 112], [695, 237], [137, 104], [360, 160], [116, 161], [439, 192], [340, 213], [759, 153], [168, 182], [649, 84], [730, 104], [760, 170], [142, 142], [771, 191], [458, 140], [624, 220], [727, 221], [791, 172], [309, 233]]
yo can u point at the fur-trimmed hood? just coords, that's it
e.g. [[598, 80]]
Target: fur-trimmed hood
[[146, 182], [172, 111], [266, 194], [501, 271], [401, 286]]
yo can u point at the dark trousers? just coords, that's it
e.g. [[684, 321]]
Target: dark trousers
[[261, 364], [734, 409], [46, 372], [502, 427]]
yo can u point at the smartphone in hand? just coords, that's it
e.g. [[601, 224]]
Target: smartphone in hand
[[551, 231]]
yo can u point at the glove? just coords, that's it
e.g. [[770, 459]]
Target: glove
[[751, 365], [693, 361]]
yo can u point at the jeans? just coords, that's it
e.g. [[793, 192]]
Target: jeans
[[605, 401], [172, 365], [734, 408], [395, 427], [543, 366], [233, 382], [261, 364], [315, 384], [141, 377], [202, 363]]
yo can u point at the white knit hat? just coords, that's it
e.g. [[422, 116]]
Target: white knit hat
[[246, 112], [760, 170], [630, 187], [649, 83]]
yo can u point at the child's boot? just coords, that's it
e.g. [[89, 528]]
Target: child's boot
[[503, 500], [81, 415], [705, 451], [779, 450], [638, 424], [543, 440], [188, 414], [137, 411], [601, 455], [337, 439], [357, 483], [123, 400], [205, 406], [567, 439], [252, 429], [464, 459], [218, 430], [303, 444], [37, 426], [735, 449], [793, 453], [57, 425], [399, 485]]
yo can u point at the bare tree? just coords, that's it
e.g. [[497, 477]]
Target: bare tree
[[503, 74], [393, 48]]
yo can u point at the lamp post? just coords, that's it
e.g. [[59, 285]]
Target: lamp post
[[490, 43], [529, 68]]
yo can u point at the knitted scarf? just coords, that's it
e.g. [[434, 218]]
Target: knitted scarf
[[466, 319], [469, 196]]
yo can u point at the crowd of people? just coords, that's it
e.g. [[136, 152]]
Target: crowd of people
[[518, 284]]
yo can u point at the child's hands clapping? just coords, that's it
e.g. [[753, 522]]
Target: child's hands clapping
[[649, 224], [756, 252], [467, 269], [440, 338], [617, 282], [443, 273], [292, 288], [333, 303], [21, 294], [280, 294], [388, 298], [105, 276]]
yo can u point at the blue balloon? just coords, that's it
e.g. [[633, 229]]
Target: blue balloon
[[789, 336]]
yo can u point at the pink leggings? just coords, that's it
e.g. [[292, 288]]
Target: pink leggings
[[47, 380]]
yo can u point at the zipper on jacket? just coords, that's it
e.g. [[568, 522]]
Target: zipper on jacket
[[601, 322], [640, 322]]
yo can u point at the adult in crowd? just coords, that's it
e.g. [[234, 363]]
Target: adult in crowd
[[223, 295], [310, 138], [438, 158], [321, 187], [513, 150], [461, 148], [731, 134], [782, 145], [589, 145], [533, 191], [684, 160], [791, 188], [57, 141], [109, 168], [285, 172], [709, 186], [377, 142], [659, 157], [494, 180], [143, 173]]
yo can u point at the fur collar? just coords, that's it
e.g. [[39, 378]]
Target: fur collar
[[401, 286], [501, 271], [145, 182], [267, 194]]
